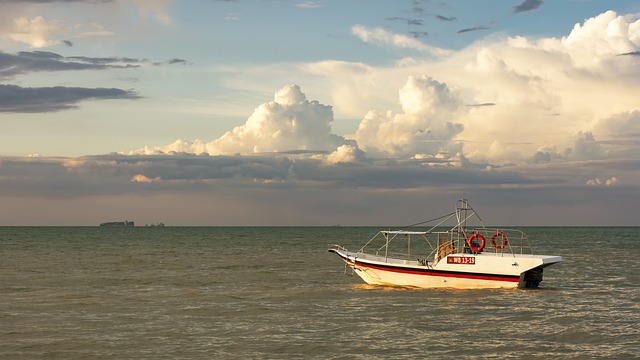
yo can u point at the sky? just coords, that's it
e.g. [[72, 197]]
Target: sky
[[314, 113]]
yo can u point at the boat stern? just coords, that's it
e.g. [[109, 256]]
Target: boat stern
[[532, 278]]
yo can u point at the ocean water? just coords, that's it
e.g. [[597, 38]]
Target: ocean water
[[276, 293]]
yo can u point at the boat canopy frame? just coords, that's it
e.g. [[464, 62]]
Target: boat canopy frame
[[455, 240]]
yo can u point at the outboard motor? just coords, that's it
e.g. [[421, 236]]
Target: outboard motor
[[533, 277]]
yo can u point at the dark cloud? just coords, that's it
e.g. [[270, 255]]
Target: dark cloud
[[118, 174], [418, 10], [633, 53], [419, 34], [476, 28], [174, 61], [16, 99], [416, 22], [527, 5], [67, 42], [247, 189], [177, 61], [35, 61], [129, 79], [444, 18], [481, 105]]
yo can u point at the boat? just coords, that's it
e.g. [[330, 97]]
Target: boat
[[155, 225], [118, 223], [464, 254]]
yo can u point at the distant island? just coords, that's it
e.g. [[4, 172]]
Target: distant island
[[118, 223]]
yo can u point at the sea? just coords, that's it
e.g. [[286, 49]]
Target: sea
[[276, 293]]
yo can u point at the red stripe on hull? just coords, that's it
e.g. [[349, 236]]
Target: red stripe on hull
[[441, 273]]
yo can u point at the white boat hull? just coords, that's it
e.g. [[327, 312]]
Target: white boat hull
[[456, 271]]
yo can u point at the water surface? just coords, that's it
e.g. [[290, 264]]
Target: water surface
[[234, 292]]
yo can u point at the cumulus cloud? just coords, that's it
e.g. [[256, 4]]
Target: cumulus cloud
[[620, 134], [598, 39], [424, 126], [486, 103], [549, 153], [586, 147], [289, 122], [143, 179], [346, 154], [292, 123], [597, 182], [622, 125], [540, 109]]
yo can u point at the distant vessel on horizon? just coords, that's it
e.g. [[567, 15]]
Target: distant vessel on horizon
[[118, 223]]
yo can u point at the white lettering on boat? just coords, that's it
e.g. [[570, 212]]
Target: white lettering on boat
[[462, 260]]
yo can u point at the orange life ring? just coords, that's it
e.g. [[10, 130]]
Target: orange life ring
[[504, 242], [476, 249]]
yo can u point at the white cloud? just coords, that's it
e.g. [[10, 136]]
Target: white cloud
[[536, 98], [309, 5], [597, 182], [594, 182], [346, 154], [382, 37], [290, 122], [94, 29], [425, 126], [32, 23], [540, 92], [611, 181], [155, 9], [37, 32], [143, 179], [600, 37]]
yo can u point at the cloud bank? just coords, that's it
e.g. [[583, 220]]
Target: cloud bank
[[495, 110]]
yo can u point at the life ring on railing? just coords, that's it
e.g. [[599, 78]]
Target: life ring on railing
[[476, 248], [503, 243]]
